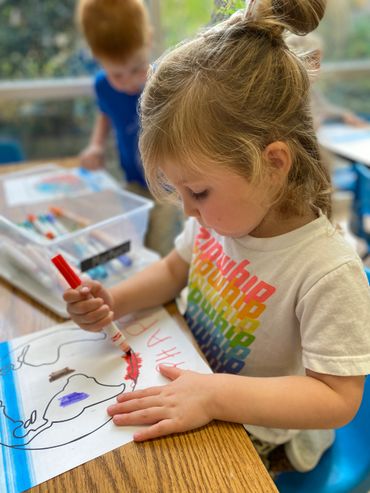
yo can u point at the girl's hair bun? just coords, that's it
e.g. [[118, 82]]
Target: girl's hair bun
[[302, 16], [297, 16]]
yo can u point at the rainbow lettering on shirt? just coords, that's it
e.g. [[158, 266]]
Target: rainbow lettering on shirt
[[224, 303]]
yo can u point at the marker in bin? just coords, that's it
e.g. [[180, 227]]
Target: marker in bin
[[74, 281], [101, 236]]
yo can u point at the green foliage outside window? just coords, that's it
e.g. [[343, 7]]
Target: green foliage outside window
[[181, 19], [39, 39]]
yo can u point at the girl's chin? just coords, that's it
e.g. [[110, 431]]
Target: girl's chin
[[230, 234]]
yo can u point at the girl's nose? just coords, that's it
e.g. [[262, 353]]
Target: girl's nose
[[189, 209]]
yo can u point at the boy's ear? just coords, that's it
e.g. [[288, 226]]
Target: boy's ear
[[279, 157]]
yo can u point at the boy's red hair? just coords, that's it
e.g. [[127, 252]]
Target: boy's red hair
[[114, 29]]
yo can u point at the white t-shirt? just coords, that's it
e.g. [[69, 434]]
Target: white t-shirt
[[274, 306]]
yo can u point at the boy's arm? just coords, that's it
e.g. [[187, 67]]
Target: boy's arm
[[159, 283], [100, 131], [93, 156]]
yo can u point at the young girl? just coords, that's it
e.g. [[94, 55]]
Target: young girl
[[277, 300]]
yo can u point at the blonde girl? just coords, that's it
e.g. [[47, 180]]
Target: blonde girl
[[277, 301]]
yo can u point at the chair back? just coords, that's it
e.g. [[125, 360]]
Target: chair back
[[10, 151], [367, 272], [345, 466], [361, 201]]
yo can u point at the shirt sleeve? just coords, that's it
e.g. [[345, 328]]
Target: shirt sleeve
[[100, 85], [335, 322]]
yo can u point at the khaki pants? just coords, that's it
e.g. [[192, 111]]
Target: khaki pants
[[165, 222]]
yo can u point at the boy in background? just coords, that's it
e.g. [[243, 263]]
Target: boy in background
[[119, 35]]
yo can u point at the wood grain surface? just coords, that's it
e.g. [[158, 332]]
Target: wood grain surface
[[217, 458]]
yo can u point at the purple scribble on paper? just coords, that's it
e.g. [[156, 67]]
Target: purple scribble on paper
[[69, 399]]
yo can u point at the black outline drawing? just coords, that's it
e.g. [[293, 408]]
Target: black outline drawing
[[23, 429]]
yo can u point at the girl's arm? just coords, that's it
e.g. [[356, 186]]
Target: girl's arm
[[299, 402], [192, 400], [159, 283]]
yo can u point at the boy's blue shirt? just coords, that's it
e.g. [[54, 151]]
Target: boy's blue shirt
[[122, 110]]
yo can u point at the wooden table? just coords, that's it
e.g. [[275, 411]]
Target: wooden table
[[214, 459]]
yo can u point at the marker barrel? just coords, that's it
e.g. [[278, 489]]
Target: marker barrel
[[117, 337]]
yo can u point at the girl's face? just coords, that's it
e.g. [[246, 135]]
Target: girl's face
[[223, 201]]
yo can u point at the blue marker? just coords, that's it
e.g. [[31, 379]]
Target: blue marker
[[125, 260], [62, 230]]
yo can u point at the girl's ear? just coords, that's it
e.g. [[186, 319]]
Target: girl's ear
[[279, 157]]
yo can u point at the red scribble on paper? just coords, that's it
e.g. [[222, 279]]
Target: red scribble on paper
[[134, 363], [136, 327]]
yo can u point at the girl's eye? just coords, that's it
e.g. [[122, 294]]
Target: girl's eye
[[199, 195]]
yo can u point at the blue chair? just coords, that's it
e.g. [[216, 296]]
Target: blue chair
[[10, 151], [361, 203], [345, 467], [344, 178]]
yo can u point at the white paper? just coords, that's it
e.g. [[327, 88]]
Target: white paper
[[47, 428], [30, 189]]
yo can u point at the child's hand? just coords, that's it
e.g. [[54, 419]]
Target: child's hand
[[183, 404], [90, 306], [354, 120], [92, 157]]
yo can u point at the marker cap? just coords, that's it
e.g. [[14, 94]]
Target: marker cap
[[67, 272]]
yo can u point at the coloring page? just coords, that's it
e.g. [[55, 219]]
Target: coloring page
[[56, 384], [30, 189]]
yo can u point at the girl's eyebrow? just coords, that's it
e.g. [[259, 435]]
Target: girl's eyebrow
[[191, 182]]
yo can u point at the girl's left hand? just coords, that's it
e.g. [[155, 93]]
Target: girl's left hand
[[181, 405]]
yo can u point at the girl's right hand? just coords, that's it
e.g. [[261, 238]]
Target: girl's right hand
[[90, 306]]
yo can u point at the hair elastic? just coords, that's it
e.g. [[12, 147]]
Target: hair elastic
[[250, 11]]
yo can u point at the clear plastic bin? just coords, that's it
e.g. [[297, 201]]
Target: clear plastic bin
[[106, 245]]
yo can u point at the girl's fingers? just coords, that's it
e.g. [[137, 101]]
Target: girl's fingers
[[160, 429], [82, 307], [72, 295], [139, 394], [87, 289], [142, 417], [134, 405], [96, 324], [95, 288]]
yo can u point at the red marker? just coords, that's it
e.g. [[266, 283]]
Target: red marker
[[40, 227], [74, 281]]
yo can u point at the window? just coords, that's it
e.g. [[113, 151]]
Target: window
[[46, 69], [346, 69]]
